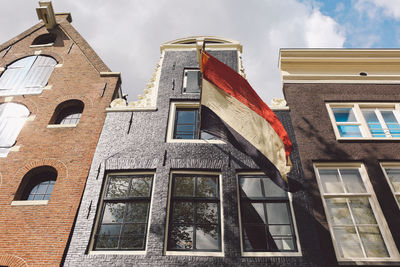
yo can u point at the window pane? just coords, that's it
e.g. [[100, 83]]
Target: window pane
[[132, 242], [331, 181], [207, 213], [373, 123], [182, 212], [255, 237], [394, 178], [272, 190], [344, 115], [284, 243], [137, 229], [349, 131], [280, 230], [140, 187], [137, 212], [353, 181], [193, 81], [277, 213], [251, 187], [183, 186], [207, 236], [253, 212], [373, 242], [118, 187], [207, 186], [347, 242], [362, 211], [186, 124], [338, 211], [113, 212], [106, 241], [391, 122], [180, 237]]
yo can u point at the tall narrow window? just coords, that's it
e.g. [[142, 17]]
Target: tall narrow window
[[12, 119], [392, 173], [124, 213], [28, 75], [194, 216], [355, 220], [192, 81], [266, 217]]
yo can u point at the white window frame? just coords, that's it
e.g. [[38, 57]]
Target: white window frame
[[99, 213], [221, 201], [364, 129], [266, 254], [394, 256], [391, 165], [171, 124]]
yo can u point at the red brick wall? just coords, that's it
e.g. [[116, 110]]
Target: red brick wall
[[38, 235]]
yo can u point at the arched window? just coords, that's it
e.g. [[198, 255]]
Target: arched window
[[27, 75], [43, 39], [12, 119], [37, 184], [68, 112]]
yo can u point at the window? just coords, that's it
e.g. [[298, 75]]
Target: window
[[28, 75], [45, 39], [125, 210], [36, 185], [358, 228], [194, 214], [12, 119], [266, 219], [365, 120], [68, 113], [392, 173], [192, 81], [184, 124]]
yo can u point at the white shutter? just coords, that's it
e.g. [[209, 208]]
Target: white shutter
[[39, 74], [12, 119], [14, 76]]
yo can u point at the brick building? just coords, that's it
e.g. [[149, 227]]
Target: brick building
[[159, 194], [344, 106], [53, 93]]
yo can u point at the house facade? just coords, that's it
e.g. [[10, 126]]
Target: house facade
[[162, 193], [344, 106], [53, 93]]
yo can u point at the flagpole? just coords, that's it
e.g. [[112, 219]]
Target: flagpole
[[200, 47]]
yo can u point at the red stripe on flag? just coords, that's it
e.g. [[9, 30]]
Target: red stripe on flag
[[235, 85]]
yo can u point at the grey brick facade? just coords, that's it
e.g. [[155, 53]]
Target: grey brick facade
[[136, 140]]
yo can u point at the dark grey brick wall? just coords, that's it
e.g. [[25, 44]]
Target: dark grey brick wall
[[144, 148]]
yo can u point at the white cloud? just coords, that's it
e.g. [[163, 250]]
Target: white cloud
[[390, 8], [127, 34]]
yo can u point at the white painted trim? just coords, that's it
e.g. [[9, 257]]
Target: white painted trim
[[8, 98], [171, 124], [41, 45], [375, 207], [297, 253], [391, 165], [38, 52], [195, 253], [15, 148], [29, 202], [100, 208], [52, 126]]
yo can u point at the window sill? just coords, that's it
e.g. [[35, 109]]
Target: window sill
[[194, 253], [196, 141], [117, 252], [368, 139], [41, 45], [387, 262], [50, 126], [29, 202], [272, 254]]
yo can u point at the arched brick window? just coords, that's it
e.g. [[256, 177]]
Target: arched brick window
[[28, 75], [68, 112], [37, 184], [45, 39]]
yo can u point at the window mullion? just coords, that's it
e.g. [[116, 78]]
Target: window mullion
[[360, 117], [385, 128], [356, 228]]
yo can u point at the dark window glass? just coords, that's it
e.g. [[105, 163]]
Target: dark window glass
[[186, 125], [192, 81], [42, 191], [37, 184], [125, 213], [266, 219], [70, 115], [43, 39], [194, 223]]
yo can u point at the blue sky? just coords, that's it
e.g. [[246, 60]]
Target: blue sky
[[127, 34]]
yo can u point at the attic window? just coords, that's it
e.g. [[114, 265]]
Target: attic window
[[45, 39]]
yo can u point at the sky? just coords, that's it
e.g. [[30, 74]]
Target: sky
[[127, 34]]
